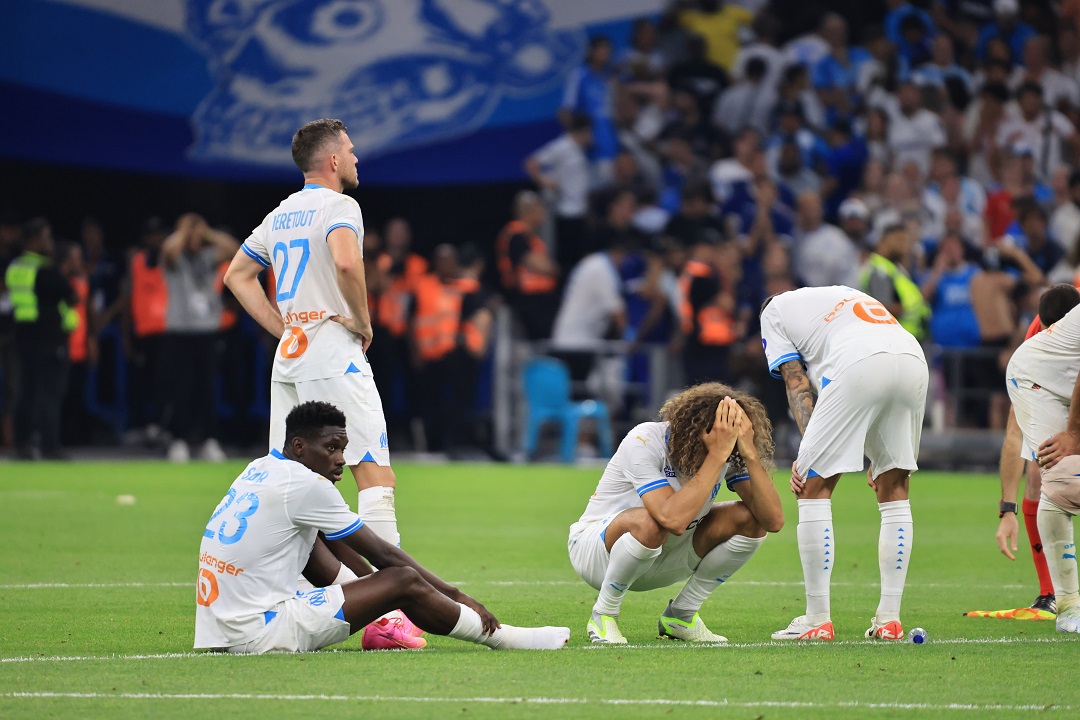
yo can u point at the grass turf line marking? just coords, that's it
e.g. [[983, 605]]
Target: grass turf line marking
[[662, 646], [49, 586], [542, 701], [497, 583]]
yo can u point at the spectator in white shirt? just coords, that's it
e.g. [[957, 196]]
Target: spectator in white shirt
[[1059, 91], [764, 46], [982, 121], [592, 309], [725, 174], [1042, 129], [747, 103], [1065, 219], [561, 170], [824, 255], [914, 131]]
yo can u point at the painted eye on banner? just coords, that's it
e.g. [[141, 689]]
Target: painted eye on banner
[[346, 20]]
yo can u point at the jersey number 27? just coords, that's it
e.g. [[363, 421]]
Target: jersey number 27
[[299, 247]]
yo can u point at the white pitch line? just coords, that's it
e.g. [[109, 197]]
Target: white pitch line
[[50, 586], [604, 648], [503, 583], [547, 701]]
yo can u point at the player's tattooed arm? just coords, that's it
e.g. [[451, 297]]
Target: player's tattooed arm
[[800, 393]]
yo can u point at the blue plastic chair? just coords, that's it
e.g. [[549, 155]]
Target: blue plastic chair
[[547, 390]]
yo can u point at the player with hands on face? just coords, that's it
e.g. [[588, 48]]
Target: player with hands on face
[[653, 520]]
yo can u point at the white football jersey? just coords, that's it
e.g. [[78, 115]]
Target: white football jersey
[[1050, 359], [829, 329], [257, 543], [639, 466], [292, 240]]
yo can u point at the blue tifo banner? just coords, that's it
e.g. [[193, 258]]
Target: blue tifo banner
[[433, 91]]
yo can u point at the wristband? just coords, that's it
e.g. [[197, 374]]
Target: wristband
[[1006, 507]]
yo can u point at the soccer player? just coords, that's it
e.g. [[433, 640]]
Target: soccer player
[[281, 516], [652, 521], [1043, 380], [1053, 305], [312, 241], [856, 384]]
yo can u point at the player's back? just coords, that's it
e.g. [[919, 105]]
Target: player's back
[[292, 240], [829, 329], [1051, 358], [251, 552]]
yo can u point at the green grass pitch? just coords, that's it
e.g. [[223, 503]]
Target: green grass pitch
[[97, 604]]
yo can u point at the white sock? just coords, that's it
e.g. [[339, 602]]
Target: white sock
[[894, 556], [628, 561], [375, 506], [817, 550], [470, 628], [344, 575], [1056, 529], [715, 568]]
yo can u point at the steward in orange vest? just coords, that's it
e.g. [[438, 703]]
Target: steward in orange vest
[[149, 294], [528, 274], [705, 317], [449, 333]]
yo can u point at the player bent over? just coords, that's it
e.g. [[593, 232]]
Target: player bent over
[[652, 521], [271, 526], [1043, 380], [856, 384], [1053, 305]]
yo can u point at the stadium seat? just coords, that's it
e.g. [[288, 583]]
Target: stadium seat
[[547, 391]]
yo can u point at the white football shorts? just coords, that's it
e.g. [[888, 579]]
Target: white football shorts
[[874, 409], [305, 623], [355, 395], [589, 557], [1039, 413]]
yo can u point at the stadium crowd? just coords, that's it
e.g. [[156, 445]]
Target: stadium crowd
[[924, 155]]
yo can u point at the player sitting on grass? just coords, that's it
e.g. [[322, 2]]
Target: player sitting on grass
[[1043, 380], [281, 516], [652, 521], [856, 384]]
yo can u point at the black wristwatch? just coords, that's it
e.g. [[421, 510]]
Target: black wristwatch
[[1005, 507]]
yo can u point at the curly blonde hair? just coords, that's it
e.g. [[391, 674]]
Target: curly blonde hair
[[690, 415]]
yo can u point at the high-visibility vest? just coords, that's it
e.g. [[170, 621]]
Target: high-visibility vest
[[437, 317], [392, 308], [19, 278], [916, 311], [149, 296], [77, 340], [473, 338], [521, 278], [713, 324]]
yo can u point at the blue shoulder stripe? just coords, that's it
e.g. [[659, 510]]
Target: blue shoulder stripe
[[335, 226], [654, 485], [347, 531], [253, 255], [780, 361]]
